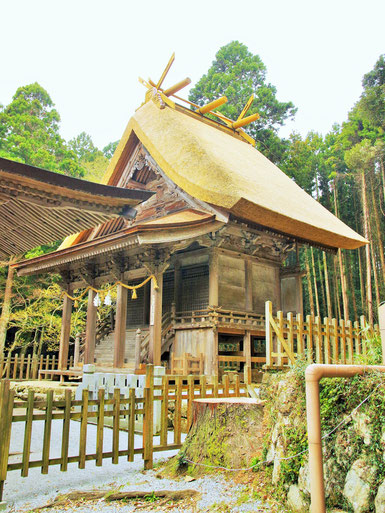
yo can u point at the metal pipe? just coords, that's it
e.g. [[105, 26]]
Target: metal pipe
[[314, 373]]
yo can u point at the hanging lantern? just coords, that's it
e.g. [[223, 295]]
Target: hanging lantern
[[76, 303], [107, 299], [134, 295], [97, 301]]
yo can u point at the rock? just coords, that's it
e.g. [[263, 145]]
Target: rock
[[304, 479], [362, 425], [379, 501], [278, 454], [358, 485], [296, 500]]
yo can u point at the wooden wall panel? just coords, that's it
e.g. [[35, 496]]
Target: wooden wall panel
[[195, 342], [266, 287], [232, 282]]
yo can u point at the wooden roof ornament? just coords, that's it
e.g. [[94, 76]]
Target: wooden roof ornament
[[38, 206]]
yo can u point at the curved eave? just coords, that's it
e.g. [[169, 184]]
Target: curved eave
[[138, 235]]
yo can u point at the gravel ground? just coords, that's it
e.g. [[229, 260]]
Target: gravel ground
[[24, 494]]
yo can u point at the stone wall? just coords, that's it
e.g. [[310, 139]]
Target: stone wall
[[354, 455]]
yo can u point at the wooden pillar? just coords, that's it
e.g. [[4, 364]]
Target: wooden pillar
[[89, 352], [213, 279], [155, 346], [65, 332], [120, 326], [214, 364], [77, 350], [138, 348], [247, 348], [177, 286], [248, 285]]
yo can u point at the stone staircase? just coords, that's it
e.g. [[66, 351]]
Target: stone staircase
[[104, 351]]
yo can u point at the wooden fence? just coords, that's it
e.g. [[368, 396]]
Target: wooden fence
[[120, 411], [28, 367], [320, 341]]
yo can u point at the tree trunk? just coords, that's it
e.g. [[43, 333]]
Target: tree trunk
[[352, 288], [362, 286], [337, 289], [367, 251], [380, 244], [315, 282], [6, 307], [322, 286], [309, 287], [328, 299], [345, 300]]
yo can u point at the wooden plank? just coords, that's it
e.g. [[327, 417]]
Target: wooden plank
[[83, 429], [215, 386], [237, 385], [47, 432], [115, 427], [290, 333], [349, 328], [336, 356], [148, 427], [280, 337], [328, 358], [309, 323], [282, 340], [27, 433], [318, 340], [66, 430], [100, 427], [226, 385], [15, 361], [21, 367], [269, 333], [178, 410], [131, 426], [28, 368], [190, 399], [343, 341], [202, 386], [357, 338], [6, 412], [300, 345]]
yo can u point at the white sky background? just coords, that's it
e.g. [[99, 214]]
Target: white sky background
[[88, 53]]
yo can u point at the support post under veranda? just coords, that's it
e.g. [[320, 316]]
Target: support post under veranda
[[65, 331]]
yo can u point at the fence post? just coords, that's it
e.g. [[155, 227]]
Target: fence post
[[268, 334], [247, 375], [190, 399], [115, 428], [138, 347], [178, 410], [327, 340], [6, 411], [148, 418], [300, 348]]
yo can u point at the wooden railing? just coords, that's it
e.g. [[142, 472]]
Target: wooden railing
[[219, 316], [187, 364], [320, 341], [28, 367], [121, 411]]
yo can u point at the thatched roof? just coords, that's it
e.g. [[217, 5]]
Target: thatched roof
[[213, 164]]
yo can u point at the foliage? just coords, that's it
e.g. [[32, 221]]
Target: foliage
[[29, 132], [237, 74], [109, 150]]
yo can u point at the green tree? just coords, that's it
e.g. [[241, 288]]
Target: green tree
[[372, 102], [93, 161], [109, 150], [237, 74], [29, 132]]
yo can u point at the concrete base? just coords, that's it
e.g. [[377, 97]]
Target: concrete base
[[3, 505]]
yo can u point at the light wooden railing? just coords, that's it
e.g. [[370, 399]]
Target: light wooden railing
[[119, 409], [28, 367], [219, 316], [320, 341]]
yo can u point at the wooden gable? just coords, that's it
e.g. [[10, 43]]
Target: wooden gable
[[141, 172]]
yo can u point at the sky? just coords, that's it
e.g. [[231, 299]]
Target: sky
[[88, 54]]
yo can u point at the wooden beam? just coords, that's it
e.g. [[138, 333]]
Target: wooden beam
[[155, 345], [65, 332], [247, 348], [120, 326], [89, 353], [213, 279]]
